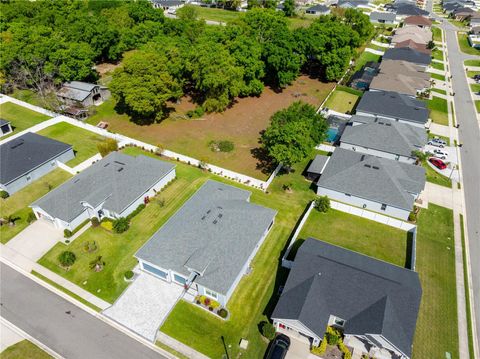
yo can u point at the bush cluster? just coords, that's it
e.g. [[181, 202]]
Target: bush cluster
[[198, 112], [333, 336], [268, 330], [67, 233], [128, 274], [136, 211], [120, 225], [322, 204], [67, 258], [4, 194], [95, 222]]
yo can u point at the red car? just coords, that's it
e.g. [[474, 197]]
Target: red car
[[437, 163]]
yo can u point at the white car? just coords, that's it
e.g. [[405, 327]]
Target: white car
[[437, 142], [440, 154]]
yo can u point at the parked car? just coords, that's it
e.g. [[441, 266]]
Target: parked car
[[437, 163], [440, 154], [476, 77], [437, 142], [279, 347]]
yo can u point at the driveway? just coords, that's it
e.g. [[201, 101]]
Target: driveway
[[35, 240], [145, 305], [450, 150], [438, 195], [299, 349]]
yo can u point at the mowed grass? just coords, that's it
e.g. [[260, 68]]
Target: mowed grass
[[438, 110], [357, 234], [465, 45], [437, 66], [435, 177], [475, 63], [17, 204], [437, 77], [364, 58], [437, 54], [343, 100], [84, 142], [437, 33], [436, 331], [475, 88], [20, 117], [477, 105], [23, 350]]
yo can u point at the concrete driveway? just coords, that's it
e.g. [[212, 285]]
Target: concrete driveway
[[439, 195], [450, 150], [35, 240], [145, 305], [299, 349]]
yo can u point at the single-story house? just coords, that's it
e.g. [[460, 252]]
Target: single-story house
[[82, 94], [316, 167], [475, 30], [373, 183], [449, 7], [393, 106], [318, 10], [362, 78], [415, 46], [463, 13], [168, 5], [417, 20], [474, 41], [110, 188], [208, 244], [415, 33], [474, 20], [383, 138], [398, 82], [404, 10], [408, 54], [391, 67], [5, 127], [383, 17], [352, 4], [28, 158], [374, 303]]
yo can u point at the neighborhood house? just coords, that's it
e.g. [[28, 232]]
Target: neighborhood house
[[208, 244], [112, 187], [5, 127], [28, 158], [82, 94]]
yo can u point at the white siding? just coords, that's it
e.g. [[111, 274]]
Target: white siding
[[296, 326], [373, 152]]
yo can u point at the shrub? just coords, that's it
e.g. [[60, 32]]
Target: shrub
[[412, 217], [160, 202], [320, 350], [95, 222], [333, 336], [120, 225], [90, 246], [107, 146], [222, 313], [207, 301], [128, 274], [4, 194], [344, 350], [97, 264], [31, 217], [268, 330], [136, 211], [226, 146], [67, 258], [198, 112], [67, 233], [322, 204]]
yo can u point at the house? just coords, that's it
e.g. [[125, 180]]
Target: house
[[383, 17], [362, 78], [407, 9], [208, 244], [373, 183], [462, 13], [82, 94], [5, 127], [318, 10], [171, 6], [475, 30], [415, 33], [28, 158], [419, 21], [110, 188], [415, 46], [352, 4], [316, 168], [449, 7], [383, 138], [408, 54], [474, 20], [392, 67], [474, 41], [393, 106], [374, 303]]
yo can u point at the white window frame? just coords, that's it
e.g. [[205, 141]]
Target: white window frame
[[211, 293]]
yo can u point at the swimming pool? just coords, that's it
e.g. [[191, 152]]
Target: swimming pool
[[332, 134]]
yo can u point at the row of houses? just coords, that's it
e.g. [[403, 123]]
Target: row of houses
[[466, 11]]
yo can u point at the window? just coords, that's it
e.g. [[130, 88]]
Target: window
[[384, 207], [348, 195], [29, 177], [153, 270], [52, 163], [210, 293], [339, 322], [179, 279]]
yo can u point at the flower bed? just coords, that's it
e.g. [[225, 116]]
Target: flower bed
[[212, 306]]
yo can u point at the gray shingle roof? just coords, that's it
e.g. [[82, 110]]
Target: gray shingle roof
[[410, 9], [27, 152], [387, 16], [76, 90], [386, 136], [215, 231], [372, 296], [407, 54], [373, 178], [3, 122], [317, 164], [318, 8], [393, 105], [117, 179]]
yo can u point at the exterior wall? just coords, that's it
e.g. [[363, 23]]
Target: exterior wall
[[371, 151], [363, 203], [5, 129], [37, 173], [416, 124], [384, 343], [295, 326], [222, 299]]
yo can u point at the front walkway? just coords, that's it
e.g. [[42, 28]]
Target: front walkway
[[438, 195]]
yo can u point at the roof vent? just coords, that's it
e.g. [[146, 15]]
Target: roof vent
[[208, 212], [220, 215], [120, 169], [388, 124], [120, 163], [376, 168], [368, 166], [203, 218], [107, 164], [77, 180], [215, 221], [17, 144], [362, 158]]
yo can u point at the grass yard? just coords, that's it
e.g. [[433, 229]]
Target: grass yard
[[438, 110], [465, 45], [28, 96], [343, 99], [437, 34], [241, 124], [214, 14], [475, 87], [357, 234], [475, 63], [477, 105], [435, 177], [437, 54], [443, 92], [24, 349], [17, 204], [84, 142], [20, 117], [364, 58], [437, 66], [471, 74], [437, 77], [436, 331]]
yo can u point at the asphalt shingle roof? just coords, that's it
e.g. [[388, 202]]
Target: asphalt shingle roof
[[410, 9], [373, 178], [27, 152], [407, 54], [214, 232], [319, 8], [387, 16], [117, 179], [3, 122], [76, 90], [317, 164], [372, 296]]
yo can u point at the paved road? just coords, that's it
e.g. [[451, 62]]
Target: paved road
[[60, 325]]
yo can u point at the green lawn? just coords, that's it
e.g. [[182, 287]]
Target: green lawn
[[357, 234], [364, 58], [472, 63], [343, 99], [443, 92], [28, 96], [437, 54], [24, 349], [436, 331], [437, 66], [438, 110], [472, 73], [84, 142], [475, 87], [435, 177], [437, 77], [17, 204], [465, 45], [477, 105], [437, 33], [20, 117]]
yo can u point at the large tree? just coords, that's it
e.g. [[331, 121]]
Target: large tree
[[293, 133]]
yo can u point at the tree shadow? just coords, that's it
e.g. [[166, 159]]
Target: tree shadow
[[410, 250], [265, 163]]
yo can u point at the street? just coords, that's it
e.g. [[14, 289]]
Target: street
[[60, 325]]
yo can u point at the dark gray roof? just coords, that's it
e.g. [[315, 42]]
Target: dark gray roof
[[372, 296], [410, 9], [353, 3], [317, 164], [407, 54], [76, 90], [386, 136], [3, 122], [27, 152], [168, 2], [393, 105], [318, 8], [215, 231], [373, 178], [117, 179], [387, 16]]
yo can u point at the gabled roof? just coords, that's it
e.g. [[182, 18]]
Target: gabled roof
[[318, 164], [319, 8], [3, 122], [27, 152], [414, 45], [118, 180], [386, 136], [399, 82], [214, 232], [387, 16], [418, 34], [352, 3], [393, 105], [76, 90], [372, 296], [408, 54], [410, 9], [463, 10], [417, 20], [372, 178]]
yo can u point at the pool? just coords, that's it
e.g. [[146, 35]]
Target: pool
[[332, 134]]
